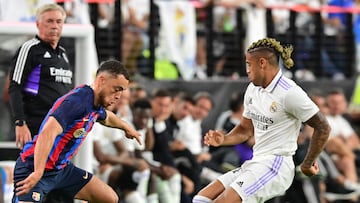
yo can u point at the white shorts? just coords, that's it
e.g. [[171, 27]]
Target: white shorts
[[261, 178]]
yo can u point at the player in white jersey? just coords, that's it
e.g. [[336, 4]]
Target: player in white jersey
[[274, 108]]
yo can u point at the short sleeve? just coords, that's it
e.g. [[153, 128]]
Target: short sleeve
[[102, 114], [299, 104], [247, 100]]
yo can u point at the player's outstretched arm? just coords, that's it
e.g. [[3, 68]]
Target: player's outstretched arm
[[321, 133], [115, 122]]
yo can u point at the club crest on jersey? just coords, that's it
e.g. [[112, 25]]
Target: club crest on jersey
[[77, 133], [273, 107], [35, 196]]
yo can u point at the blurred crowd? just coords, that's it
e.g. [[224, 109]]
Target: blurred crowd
[[312, 26], [172, 163]]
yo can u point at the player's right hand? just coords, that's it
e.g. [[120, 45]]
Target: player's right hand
[[141, 165], [167, 172], [132, 133], [24, 186], [214, 138], [23, 135], [310, 171]]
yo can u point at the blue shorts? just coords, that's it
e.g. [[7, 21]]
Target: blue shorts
[[67, 182]]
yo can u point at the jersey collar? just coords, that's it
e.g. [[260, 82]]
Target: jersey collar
[[274, 82], [47, 44]]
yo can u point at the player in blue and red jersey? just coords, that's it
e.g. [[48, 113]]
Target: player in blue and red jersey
[[44, 163]]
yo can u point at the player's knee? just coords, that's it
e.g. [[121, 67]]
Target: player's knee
[[115, 197], [109, 196]]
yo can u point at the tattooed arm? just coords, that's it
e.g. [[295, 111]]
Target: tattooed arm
[[319, 137]]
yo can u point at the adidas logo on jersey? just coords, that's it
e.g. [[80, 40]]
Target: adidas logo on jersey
[[47, 55]]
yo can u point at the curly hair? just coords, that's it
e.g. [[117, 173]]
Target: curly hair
[[274, 46]]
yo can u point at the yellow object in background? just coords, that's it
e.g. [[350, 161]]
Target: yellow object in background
[[165, 70]]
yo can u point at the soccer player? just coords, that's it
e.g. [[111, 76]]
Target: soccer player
[[274, 109], [44, 163]]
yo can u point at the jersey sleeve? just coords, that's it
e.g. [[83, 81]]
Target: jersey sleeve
[[102, 114], [247, 100], [18, 74], [299, 104], [68, 111]]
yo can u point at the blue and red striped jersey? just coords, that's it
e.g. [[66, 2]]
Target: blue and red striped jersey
[[76, 113]]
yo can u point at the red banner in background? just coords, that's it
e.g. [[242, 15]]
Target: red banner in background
[[296, 8], [300, 8], [329, 9], [88, 1]]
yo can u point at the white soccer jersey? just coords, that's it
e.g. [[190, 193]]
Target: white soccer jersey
[[340, 126], [106, 136], [277, 113], [190, 134]]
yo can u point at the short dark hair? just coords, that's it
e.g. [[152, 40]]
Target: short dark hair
[[161, 93], [336, 90], [236, 100], [206, 95], [142, 104], [114, 68]]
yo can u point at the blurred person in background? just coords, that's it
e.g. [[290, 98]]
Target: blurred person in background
[[185, 161], [224, 25], [230, 157], [13, 11], [118, 167], [168, 179], [340, 127], [40, 74], [335, 60], [190, 135], [135, 23]]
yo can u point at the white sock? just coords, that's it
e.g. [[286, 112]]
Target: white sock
[[201, 199], [175, 187], [134, 197], [142, 178], [351, 185], [163, 190], [152, 198]]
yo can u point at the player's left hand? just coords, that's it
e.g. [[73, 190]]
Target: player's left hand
[[24, 186], [310, 171]]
